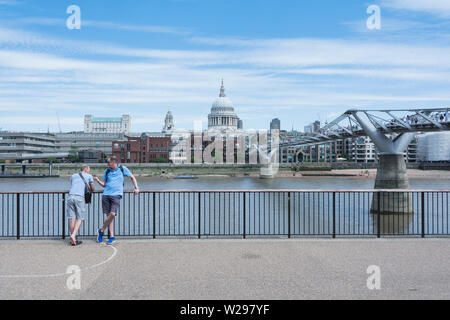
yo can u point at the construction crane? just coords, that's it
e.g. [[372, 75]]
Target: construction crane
[[59, 122]]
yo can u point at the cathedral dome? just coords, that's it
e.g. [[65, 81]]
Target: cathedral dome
[[222, 105], [222, 114]]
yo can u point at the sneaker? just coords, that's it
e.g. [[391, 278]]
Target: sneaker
[[111, 240], [99, 236]]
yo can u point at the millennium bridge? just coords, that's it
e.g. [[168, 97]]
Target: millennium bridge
[[391, 131]]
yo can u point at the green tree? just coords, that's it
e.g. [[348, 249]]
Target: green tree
[[73, 155], [160, 160], [52, 160]]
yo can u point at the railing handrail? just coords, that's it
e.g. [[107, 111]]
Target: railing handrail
[[245, 191], [272, 212]]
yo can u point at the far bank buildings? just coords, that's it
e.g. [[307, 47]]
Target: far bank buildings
[[103, 136], [178, 147]]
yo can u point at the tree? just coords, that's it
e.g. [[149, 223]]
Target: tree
[[73, 155], [160, 160]]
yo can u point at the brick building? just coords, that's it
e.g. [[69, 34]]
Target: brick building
[[147, 148]]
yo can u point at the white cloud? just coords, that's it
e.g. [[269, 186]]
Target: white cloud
[[107, 25], [138, 28], [436, 7], [9, 2], [264, 77]]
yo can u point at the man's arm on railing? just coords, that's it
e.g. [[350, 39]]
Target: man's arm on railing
[[136, 188]]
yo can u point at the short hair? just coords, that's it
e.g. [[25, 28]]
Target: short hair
[[113, 159], [84, 167]]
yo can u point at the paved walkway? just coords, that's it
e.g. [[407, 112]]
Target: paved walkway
[[226, 269]]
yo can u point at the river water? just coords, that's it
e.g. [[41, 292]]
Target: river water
[[226, 183], [222, 213]]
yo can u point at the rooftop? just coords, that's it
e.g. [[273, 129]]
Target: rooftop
[[105, 119]]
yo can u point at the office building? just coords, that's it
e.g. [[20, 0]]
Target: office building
[[275, 124], [107, 124]]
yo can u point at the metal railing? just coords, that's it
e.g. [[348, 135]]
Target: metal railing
[[235, 213]]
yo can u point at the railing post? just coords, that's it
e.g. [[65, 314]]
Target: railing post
[[154, 215], [379, 215], [423, 214], [18, 215], [64, 216], [289, 214], [334, 214], [244, 226], [199, 216]]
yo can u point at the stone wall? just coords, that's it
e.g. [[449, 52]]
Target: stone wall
[[146, 169]]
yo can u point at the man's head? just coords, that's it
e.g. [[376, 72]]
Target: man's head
[[113, 162], [85, 168]]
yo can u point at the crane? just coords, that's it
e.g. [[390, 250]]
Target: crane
[[59, 122]]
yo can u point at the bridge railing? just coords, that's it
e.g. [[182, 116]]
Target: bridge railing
[[232, 213]]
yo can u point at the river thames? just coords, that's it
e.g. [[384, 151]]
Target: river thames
[[227, 183]]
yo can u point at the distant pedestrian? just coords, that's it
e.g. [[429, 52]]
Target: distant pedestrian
[[81, 184], [113, 182]]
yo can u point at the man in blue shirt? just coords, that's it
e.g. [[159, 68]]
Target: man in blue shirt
[[76, 205], [113, 181]]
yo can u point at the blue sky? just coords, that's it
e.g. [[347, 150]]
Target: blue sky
[[295, 60]]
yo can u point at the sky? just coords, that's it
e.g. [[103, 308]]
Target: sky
[[295, 60]]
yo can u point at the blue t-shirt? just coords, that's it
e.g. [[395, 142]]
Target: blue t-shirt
[[114, 184], [77, 184]]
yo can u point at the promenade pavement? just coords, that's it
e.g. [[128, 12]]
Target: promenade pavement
[[225, 269]]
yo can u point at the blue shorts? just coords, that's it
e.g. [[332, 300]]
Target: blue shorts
[[111, 204]]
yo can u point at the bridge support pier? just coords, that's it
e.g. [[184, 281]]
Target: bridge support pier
[[392, 174], [267, 172]]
